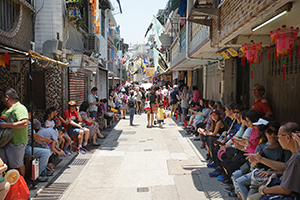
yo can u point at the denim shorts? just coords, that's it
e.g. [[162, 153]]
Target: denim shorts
[[75, 131], [13, 155], [66, 135], [160, 121]]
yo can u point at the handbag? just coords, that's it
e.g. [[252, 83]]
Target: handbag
[[230, 152], [192, 103], [6, 134], [245, 168]]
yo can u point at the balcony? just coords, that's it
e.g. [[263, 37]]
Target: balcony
[[200, 37], [110, 35]]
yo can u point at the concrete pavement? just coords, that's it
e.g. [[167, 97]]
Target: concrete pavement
[[136, 162]]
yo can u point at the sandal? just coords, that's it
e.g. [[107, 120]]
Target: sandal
[[202, 146], [93, 144]]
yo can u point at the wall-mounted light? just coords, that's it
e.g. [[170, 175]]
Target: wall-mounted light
[[269, 21]]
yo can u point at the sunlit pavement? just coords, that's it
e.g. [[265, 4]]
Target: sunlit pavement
[[136, 162]]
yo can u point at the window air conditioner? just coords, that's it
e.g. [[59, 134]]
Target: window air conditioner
[[93, 43]]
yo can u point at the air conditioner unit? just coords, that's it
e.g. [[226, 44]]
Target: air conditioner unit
[[52, 47], [93, 43]]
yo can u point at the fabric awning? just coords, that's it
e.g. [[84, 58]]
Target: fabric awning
[[39, 56]]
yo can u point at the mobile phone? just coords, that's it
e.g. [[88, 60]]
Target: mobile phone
[[233, 140]]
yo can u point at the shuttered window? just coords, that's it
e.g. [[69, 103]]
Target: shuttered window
[[78, 91], [9, 14]]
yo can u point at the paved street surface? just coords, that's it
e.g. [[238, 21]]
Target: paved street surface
[[139, 163]]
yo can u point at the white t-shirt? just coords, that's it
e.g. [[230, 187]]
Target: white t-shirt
[[49, 124], [92, 99]]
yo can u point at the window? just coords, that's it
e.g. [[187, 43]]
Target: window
[[103, 23], [9, 15]]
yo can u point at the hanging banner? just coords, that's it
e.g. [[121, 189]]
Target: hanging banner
[[162, 64], [150, 72]]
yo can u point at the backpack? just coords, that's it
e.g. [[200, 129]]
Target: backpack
[[6, 134], [131, 102]]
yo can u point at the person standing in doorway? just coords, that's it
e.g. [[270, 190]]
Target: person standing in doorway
[[94, 102], [260, 103]]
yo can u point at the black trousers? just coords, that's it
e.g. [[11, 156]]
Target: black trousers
[[108, 119]]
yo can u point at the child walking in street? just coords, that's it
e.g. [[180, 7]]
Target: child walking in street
[[160, 115]]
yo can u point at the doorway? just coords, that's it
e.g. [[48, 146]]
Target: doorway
[[242, 90]]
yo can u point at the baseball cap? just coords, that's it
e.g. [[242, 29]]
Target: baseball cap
[[216, 111], [175, 86], [123, 90], [72, 103], [261, 121]]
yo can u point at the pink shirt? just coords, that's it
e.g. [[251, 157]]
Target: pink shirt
[[254, 140], [196, 96]]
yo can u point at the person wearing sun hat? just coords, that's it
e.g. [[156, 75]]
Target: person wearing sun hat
[[75, 128]]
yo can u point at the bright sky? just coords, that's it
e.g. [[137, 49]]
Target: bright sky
[[136, 17]]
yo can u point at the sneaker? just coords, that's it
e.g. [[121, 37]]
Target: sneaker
[[180, 124], [222, 177], [212, 165], [215, 173], [229, 189], [232, 194], [85, 148], [42, 178], [189, 126], [67, 153], [80, 150], [227, 182], [48, 172]]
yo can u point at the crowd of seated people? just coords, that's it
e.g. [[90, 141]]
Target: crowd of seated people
[[252, 155]]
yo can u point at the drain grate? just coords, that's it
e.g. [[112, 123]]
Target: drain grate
[[147, 149], [149, 139], [129, 132], [79, 162], [172, 124], [143, 189], [52, 192], [142, 141]]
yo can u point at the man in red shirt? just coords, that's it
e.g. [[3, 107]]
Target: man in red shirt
[[76, 129], [260, 103]]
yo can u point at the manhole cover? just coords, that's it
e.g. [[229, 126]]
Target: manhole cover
[[147, 149], [143, 189], [122, 139], [128, 132], [79, 162]]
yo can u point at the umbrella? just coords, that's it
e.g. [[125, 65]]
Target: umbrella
[[146, 85]]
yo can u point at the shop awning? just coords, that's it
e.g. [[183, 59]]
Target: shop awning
[[39, 56]]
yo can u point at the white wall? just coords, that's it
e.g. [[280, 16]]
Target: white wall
[[49, 21]]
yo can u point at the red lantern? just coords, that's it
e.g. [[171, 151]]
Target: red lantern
[[252, 53], [284, 41]]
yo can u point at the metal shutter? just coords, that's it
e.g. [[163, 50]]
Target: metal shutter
[[78, 87]]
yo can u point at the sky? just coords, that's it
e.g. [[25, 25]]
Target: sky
[[136, 17]]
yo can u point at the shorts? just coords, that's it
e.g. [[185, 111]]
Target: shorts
[[13, 155], [75, 131], [175, 106], [160, 121], [66, 135], [93, 114]]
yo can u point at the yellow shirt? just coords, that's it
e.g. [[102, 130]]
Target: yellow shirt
[[160, 114]]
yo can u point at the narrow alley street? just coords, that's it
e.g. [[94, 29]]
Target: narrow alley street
[[140, 163]]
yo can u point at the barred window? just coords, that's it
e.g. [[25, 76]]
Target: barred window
[[103, 23], [9, 14]]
